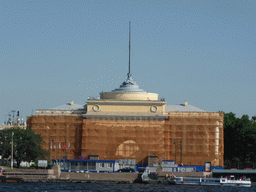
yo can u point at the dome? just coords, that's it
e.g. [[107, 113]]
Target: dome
[[129, 86], [129, 90]]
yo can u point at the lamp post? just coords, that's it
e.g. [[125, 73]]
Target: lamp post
[[48, 138], [180, 152], [54, 146], [175, 150], [12, 152], [65, 145]]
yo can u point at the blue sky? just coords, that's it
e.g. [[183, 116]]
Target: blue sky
[[53, 52]]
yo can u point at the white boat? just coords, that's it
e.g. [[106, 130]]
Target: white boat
[[152, 178], [197, 181], [232, 182], [212, 181]]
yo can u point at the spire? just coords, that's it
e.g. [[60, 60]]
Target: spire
[[129, 72]]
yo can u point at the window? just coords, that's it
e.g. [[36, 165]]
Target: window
[[109, 165], [73, 165], [91, 166], [101, 165], [83, 166]]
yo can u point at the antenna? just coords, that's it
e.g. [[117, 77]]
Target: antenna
[[129, 72]]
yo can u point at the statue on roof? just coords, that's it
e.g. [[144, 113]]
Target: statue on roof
[[129, 80]]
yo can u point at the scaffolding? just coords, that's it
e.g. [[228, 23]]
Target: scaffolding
[[61, 134], [200, 133]]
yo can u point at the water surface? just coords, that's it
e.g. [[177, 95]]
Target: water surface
[[77, 187]]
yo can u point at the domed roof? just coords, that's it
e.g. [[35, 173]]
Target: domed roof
[[128, 90], [128, 86]]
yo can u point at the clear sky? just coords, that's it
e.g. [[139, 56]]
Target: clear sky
[[52, 52]]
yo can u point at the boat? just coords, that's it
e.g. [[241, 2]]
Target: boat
[[231, 181], [148, 177], [197, 181], [153, 178], [6, 179]]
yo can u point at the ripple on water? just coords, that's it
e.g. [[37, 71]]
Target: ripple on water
[[91, 187]]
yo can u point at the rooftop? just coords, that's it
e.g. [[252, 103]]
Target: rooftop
[[69, 107], [182, 107], [83, 107]]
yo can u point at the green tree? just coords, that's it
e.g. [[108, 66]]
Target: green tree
[[247, 135], [26, 145], [239, 138], [230, 136]]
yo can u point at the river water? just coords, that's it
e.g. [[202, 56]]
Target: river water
[[77, 187]]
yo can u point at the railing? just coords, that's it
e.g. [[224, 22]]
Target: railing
[[98, 98]]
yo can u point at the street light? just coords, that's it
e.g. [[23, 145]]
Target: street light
[[12, 152], [175, 150], [54, 145], [180, 152]]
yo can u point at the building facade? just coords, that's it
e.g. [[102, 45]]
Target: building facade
[[130, 123]]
